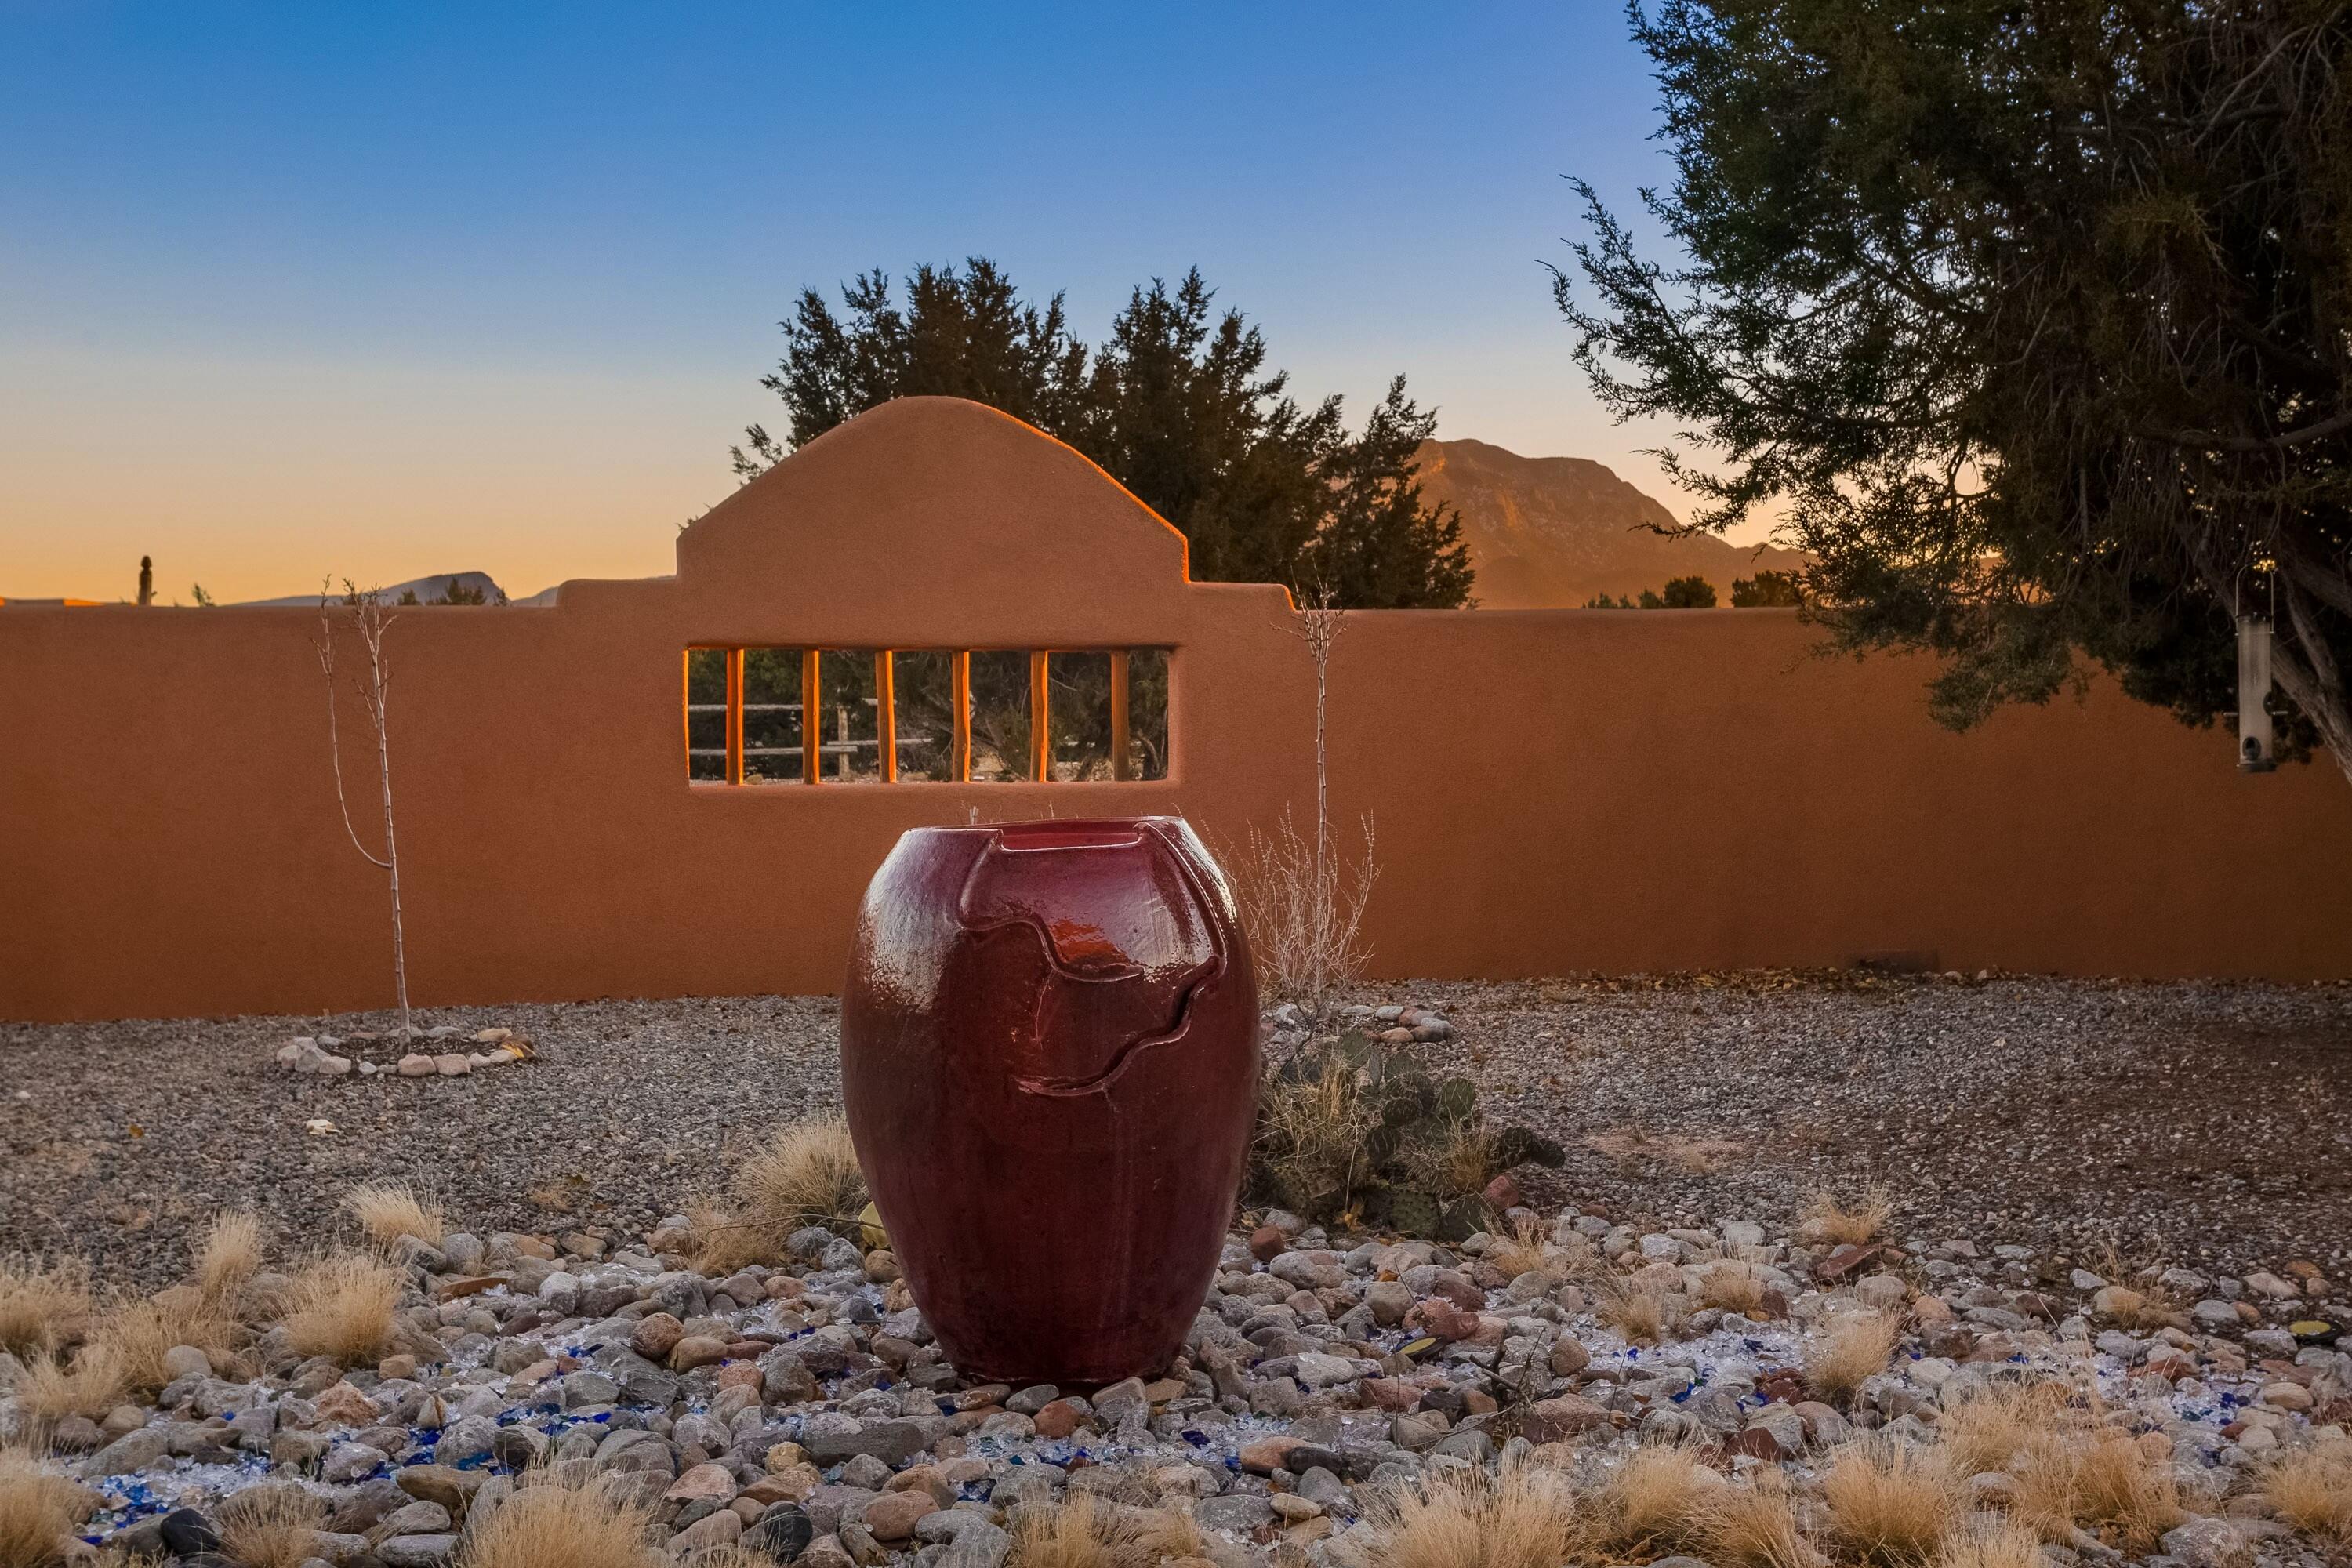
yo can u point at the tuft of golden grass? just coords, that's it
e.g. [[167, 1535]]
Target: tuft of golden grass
[[38, 1508], [1642, 1311], [1892, 1504], [43, 1306], [1521, 1250], [2311, 1488], [806, 1174], [92, 1384], [1657, 1499], [1989, 1428], [229, 1256], [1853, 1346], [1732, 1287], [341, 1305], [141, 1330], [1842, 1225], [1523, 1518], [1754, 1524], [274, 1525], [1086, 1531], [1309, 1137], [2003, 1546], [389, 1212], [561, 1522], [2102, 1481]]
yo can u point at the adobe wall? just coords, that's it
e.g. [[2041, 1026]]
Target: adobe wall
[[1554, 791]]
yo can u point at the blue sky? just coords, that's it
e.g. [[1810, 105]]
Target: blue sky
[[383, 290]]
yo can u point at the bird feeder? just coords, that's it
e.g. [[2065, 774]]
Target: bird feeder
[[2254, 740]]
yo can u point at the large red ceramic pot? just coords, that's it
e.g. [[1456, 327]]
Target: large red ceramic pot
[[1049, 1058]]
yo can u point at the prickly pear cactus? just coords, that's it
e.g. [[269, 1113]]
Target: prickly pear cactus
[[1401, 1133]]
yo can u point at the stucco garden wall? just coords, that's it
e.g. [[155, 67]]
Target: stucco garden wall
[[1553, 790]]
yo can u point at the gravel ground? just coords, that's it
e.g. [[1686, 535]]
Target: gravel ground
[[2203, 1124]]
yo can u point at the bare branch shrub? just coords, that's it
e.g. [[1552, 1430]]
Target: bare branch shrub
[[370, 620]]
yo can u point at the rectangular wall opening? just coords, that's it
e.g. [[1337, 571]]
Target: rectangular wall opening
[[771, 716]]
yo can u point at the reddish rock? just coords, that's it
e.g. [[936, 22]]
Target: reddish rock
[[892, 1515], [1058, 1420], [1753, 1441], [655, 1335], [742, 1374], [1844, 1261], [1267, 1455], [1504, 1192], [1557, 1419], [697, 1350], [1441, 1320], [1390, 1393], [1266, 1244]]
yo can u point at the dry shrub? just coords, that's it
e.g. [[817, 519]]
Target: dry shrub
[[1853, 1346], [1658, 1498], [2003, 1546], [1833, 1221], [1520, 1249], [2102, 1481], [564, 1523], [1303, 907], [1892, 1504], [1460, 1164], [1754, 1524], [806, 1174], [229, 1256], [1088, 1531], [1311, 1135], [92, 1384], [43, 1306], [38, 1509], [1523, 1518], [275, 1525], [1989, 1428], [391, 1212], [142, 1330], [1641, 1309], [341, 1305], [1732, 1287], [2311, 1488]]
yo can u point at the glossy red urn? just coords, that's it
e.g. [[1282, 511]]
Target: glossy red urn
[[1049, 1059]]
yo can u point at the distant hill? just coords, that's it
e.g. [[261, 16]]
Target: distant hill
[[1553, 531], [432, 590]]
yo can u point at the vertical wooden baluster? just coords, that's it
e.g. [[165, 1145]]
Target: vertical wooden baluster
[[1119, 763], [734, 715], [812, 719], [1041, 733], [886, 708], [959, 679]]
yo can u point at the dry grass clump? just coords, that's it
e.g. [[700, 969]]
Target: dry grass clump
[[2103, 1481], [1840, 1224], [2003, 1546], [2311, 1488], [1892, 1504], [1088, 1531], [1311, 1131], [1989, 1428], [1303, 907], [38, 1508], [1754, 1524], [43, 1306], [141, 1330], [391, 1212], [806, 1174], [92, 1384], [341, 1305], [1657, 1499], [1853, 1346], [1460, 1164], [274, 1525], [1523, 1518], [229, 1256], [1732, 1287], [560, 1523], [1641, 1309], [1521, 1250]]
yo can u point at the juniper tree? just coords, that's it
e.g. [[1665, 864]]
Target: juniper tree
[[2031, 320]]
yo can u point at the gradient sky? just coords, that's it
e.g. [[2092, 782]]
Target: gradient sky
[[380, 292]]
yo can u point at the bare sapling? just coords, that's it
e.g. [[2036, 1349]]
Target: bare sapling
[[1303, 899], [370, 620]]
